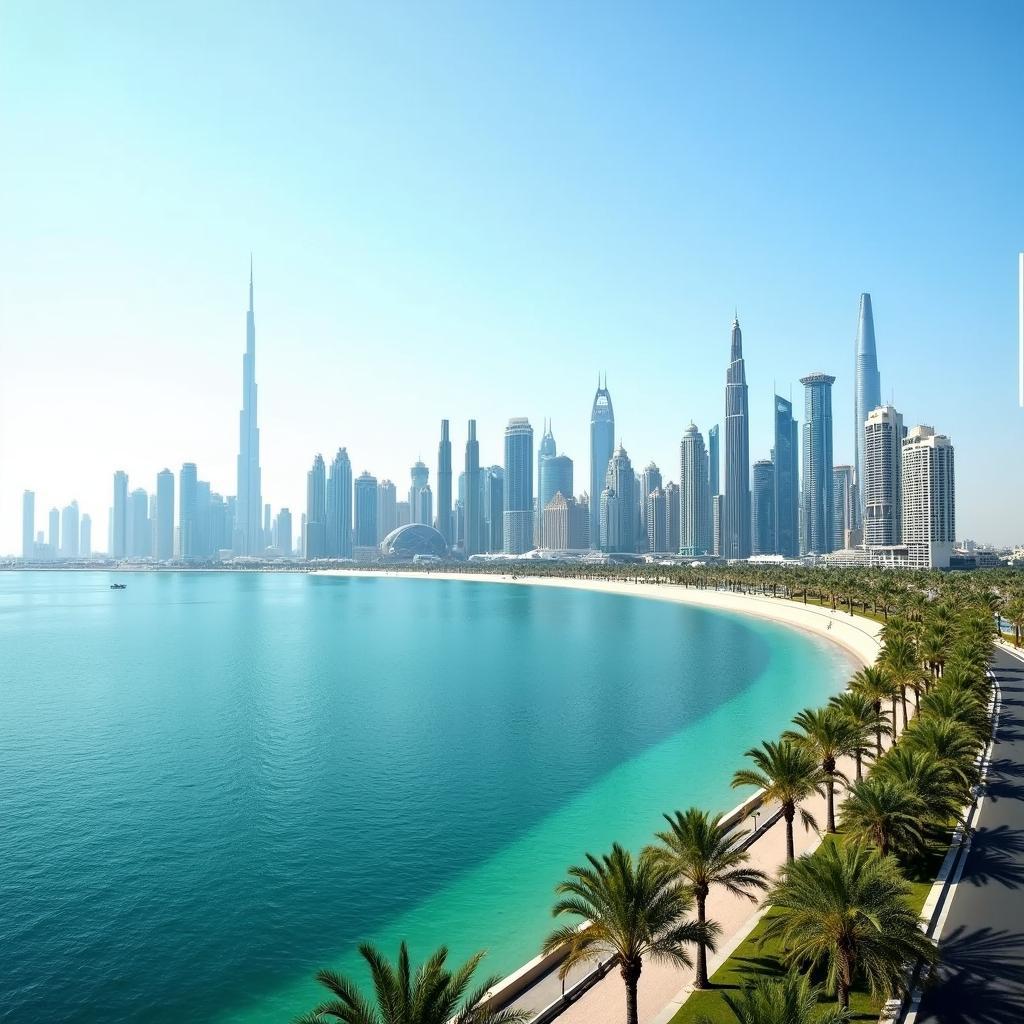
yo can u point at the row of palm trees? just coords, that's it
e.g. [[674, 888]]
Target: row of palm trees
[[840, 915]]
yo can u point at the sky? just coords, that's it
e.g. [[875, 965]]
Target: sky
[[468, 210]]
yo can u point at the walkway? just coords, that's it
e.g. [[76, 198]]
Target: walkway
[[982, 937]]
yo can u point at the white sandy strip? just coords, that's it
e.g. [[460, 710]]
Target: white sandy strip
[[663, 988]]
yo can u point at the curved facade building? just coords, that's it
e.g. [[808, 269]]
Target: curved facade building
[[413, 539]]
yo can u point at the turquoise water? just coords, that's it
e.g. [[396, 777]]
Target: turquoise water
[[212, 784]]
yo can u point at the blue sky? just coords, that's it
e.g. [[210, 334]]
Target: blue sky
[[467, 210]]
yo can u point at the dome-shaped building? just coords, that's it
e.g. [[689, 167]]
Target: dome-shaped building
[[413, 539]]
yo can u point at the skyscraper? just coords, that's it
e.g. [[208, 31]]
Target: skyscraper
[[188, 529], [929, 498], [138, 524], [28, 525], [472, 491], [672, 517], [419, 475], [53, 536], [164, 515], [316, 510], [119, 516], [545, 491], [85, 533], [366, 509], [517, 521], [714, 493], [867, 393], [618, 508], [249, 537], [387, 508], [69, 526], [844, 500], [491, 503], [786, 456], [650, 481], [816, 496], [762, 508], [694, 478], [657, 520], [602, 444], [882, 477], [444, 485], [338, 531], [736, 517], [283, 533]]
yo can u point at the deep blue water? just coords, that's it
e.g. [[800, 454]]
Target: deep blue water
[[212, 784]]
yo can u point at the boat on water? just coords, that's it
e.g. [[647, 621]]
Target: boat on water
[[118, 586]]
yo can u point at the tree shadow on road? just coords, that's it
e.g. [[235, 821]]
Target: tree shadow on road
[[996, 856]]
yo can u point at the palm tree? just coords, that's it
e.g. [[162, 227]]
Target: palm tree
[[1014, 614], [950, 743], [884, 813], [828, 735], [700, 852], [791, 999], [958, 706], [899, 657], [634, 911], [435, 995], [927, 778], [845, 909], [863, 719], [787, 773], [873, 682]]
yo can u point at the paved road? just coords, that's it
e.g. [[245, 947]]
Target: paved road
[[982, 939]]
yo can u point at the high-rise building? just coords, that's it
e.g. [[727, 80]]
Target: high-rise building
[[844, 500], [556, 476], [249, 536], [69, 526], [650, 481], [867, 394], [619, 505], [786, 456], [816, 496], [762, 508], [736, 511], [423, 509], [472, 509], [657, 520], [694, 478], [881, 476], [491, 502], [517, 521], [602, 445], [316, 510], [444, 485], [419, 474], [387, 508], [28, 525], [714, 492], [85, 535], [672, 517], [188, 528], [138, 524], [403, 514], [283, 532], [338, 531], [929, 498], [545, 491], [53, 534], [119, 516], [366, 509], [164, 515], [558, 522]]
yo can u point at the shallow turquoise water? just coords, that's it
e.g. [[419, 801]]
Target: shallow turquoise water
[[212, 784]]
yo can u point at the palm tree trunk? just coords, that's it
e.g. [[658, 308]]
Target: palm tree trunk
[[631, 976], [903, 699], [702, 953], [830, 803], [788, 811], [878, 729], [894, 719], [857, 759]]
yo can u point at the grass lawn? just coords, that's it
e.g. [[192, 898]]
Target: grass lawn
[[751, 961]]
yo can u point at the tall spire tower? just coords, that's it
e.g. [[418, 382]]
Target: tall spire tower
[[867, 393], [736, 520], [602, 446], [248, 535]]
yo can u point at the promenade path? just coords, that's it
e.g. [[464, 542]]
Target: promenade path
[[981, 937]]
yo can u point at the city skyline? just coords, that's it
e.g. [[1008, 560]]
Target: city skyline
[[502, 230]]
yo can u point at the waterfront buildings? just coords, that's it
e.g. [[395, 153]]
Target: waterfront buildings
[[844, 501], [786, 457], [366, 510], [558, 522], [53, 534], [928, 498], [444, 486], [517, 522], [491, 505], [387, 508], [316, 510], [164, 515], [139, 532], [694, 480], [69, 526], [28, 525], [714, 492], [248, 531], [282, 539], [119, 516], [188, 480], [672, 516], [472, 504], [85, 535], [882, 478], [338, 533], [736, 512], [650, 481], [602, 444], [420, 498], [867, 393], [762, 507], [656, 507], [618, 509], [816, 495]]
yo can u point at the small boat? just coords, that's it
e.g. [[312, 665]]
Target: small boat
[[118, 586]]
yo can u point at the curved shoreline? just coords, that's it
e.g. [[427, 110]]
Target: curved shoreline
[[855, 634]]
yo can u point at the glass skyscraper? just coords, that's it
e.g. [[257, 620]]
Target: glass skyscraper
[[315, 535], [249, 536], [736, 517], [817, 496], [694, 507], [517, 523], [867, 393], [786, 457], [602, 444], [762, 508], [338, 533], [444, 485]]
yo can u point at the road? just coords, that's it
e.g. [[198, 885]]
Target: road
[[981, 940]]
